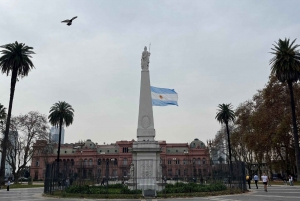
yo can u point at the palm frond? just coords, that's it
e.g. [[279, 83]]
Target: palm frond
[[16, 57], [285, 64], [61, 111], [225, 113]]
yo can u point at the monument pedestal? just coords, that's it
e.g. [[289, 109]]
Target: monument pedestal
[[147, 167]]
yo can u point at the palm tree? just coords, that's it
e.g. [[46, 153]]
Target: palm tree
[[15, 60], [61, 113], [224, 115], [286, 67]]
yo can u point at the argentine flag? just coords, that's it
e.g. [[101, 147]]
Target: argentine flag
[[163, 97]]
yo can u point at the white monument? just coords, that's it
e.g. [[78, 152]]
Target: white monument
[[146, 173]]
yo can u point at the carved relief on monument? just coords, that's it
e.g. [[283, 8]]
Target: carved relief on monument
[[145, 122], [146, 169]]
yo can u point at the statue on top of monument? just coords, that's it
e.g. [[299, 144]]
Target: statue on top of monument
[[145, 59]]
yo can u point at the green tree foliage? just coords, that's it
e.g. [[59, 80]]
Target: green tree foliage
[[15, 61]]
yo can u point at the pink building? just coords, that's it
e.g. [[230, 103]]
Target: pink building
[[177, 159]]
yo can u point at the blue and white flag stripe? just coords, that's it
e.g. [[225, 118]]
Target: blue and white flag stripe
[[163, 96]]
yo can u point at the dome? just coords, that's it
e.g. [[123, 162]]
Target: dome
[[196, 143]]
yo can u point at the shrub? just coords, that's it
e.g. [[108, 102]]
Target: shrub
[[192, 187]]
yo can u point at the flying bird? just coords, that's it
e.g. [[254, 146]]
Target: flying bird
[[69, 22]]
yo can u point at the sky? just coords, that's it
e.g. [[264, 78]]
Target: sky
[[210, 52]]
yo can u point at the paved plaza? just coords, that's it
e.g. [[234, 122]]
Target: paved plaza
[[275, 193]]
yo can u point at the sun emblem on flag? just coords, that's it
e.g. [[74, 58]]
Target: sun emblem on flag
[[161, 97]]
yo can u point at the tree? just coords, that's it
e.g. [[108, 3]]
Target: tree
[[61, 113], [24, 131], [224, 115], [15, 61], [285, 65], [2, 116]]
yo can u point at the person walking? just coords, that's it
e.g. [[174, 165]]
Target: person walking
[[248, 179], [264, 179], [8, 184], [291, 180], [256, 180]]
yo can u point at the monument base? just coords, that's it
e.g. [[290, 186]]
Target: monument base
[[147, 166]]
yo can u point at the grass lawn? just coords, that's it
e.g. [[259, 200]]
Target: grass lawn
[[62, 194]]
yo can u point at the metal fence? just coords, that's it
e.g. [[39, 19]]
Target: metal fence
[[109, 173]]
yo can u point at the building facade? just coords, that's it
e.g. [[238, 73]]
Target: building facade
[[54, 134], [181, 160]]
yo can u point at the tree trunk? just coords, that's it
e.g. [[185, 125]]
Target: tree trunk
[[229, 150], [295, 129], [59, 141], [5, 140]]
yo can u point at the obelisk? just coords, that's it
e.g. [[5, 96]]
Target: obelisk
[[145, 131], [146, 151]]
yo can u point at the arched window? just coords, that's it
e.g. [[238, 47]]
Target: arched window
[[72, 162], [204, 160], [90, 162], [99, 161], [85, 162], [199, 161], [37, 163], [125, 161], [169, 161]]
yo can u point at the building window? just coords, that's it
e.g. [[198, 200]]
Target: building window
[[169, 161], [125, 161], [184, 162], [199, 161], [85, 162], [168, 150], [115, 162], [99, 161], [170, 172], [125, 149], [36, 175], [99, 172], [204, 160], [177, 161], [90, 162], [185, 172], [116, 151], [176, 150], [37, 163], [65, 152], [177, 172], [114, 173], [107, 151]]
